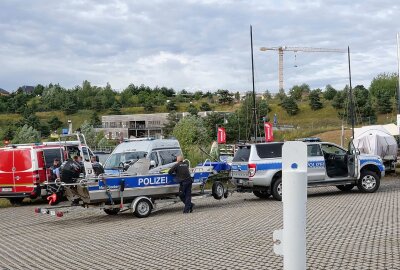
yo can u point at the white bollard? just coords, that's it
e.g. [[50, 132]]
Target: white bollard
[[294, 197]]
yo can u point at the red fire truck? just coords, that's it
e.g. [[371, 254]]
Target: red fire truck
[[24, 168]]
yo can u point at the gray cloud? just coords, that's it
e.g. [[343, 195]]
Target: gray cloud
[[193, 44]]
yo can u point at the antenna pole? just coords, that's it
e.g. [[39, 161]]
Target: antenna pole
[[254, 92], [351, 95], [398, 72]]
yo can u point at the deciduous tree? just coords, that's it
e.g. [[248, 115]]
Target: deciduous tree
[[192, 110], [329, 92], [26, 134]]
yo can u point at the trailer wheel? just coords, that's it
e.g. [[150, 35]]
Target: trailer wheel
[[218, 190], [112, 211], [143, 208]]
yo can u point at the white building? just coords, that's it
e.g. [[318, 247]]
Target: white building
[[137, 125]]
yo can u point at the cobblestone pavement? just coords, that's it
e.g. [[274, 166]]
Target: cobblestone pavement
[[344, 231]]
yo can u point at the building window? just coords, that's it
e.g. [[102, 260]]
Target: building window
[[154, 123]]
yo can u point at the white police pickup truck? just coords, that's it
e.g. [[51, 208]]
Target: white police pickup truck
[[258, 168]]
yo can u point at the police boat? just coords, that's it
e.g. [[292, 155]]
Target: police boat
[[138, 189]]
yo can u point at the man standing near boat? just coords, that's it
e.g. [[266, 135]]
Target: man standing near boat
[[182, 174]]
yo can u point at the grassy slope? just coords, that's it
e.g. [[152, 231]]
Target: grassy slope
[[323, 123], [307, 122]]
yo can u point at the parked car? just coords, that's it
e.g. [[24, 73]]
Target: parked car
[[24, 168], [258, 168]]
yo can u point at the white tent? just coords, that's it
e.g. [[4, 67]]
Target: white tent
[[392, 128], [375, 140]]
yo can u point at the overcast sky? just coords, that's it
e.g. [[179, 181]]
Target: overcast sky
[[194, 45]]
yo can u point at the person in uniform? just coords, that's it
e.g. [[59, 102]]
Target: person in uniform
[[182, 174], [79, 160], [70, 175], [97, 167]]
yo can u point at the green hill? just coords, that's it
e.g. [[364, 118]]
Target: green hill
[[307, 122]]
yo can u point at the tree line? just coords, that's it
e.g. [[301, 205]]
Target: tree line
[[54, 97], [380, 97]]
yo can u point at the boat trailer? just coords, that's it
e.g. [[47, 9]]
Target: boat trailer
[[138, 194]]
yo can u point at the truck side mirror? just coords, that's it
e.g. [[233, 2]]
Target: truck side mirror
[[97, 158]]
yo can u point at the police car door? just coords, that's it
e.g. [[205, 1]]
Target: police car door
[[352, 160], [316, 163]]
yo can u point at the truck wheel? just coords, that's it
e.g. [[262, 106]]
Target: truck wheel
[[345, 187], [112, 211], [143, 208], [262, 194], [218, 190], [277, 189], [16, 201], [369, 182]]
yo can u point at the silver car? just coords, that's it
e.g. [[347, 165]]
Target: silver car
[[258, 168]]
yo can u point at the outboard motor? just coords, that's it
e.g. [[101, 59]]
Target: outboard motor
[[70, 172], [97, 168]]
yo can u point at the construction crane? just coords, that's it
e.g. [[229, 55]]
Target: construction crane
[[295, 49]]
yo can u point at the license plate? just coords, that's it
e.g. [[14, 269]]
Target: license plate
[[52, 213], [6, 189], [240, 181]]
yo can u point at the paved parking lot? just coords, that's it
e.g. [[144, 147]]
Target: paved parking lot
[[344, 231]]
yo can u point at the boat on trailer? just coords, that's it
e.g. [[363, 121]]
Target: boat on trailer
[[137, 192]]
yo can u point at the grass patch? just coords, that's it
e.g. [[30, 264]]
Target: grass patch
[[4, 203]]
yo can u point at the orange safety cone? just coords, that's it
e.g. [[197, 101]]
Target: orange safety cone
[[52, 198]]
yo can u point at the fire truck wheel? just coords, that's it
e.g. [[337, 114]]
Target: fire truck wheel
[[16, 201]]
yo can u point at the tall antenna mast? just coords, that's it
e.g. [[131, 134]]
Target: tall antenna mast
[[254, 92], [351, 95], [398, 72]]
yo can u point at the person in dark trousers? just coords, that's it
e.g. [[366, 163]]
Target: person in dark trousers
[[182, 174]]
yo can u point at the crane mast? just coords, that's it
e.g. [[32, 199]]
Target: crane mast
[[281, 49]]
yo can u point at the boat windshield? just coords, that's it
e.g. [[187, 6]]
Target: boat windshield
[[116, 159]]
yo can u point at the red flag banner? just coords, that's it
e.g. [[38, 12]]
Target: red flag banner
[[269, 135], [221, 137]]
